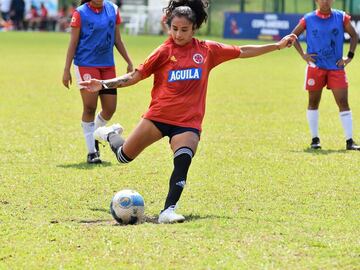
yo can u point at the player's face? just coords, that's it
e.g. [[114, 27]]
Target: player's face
[[325, 5], [96, 3], [181, 30]]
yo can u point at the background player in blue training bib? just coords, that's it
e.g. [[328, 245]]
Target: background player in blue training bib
[[325, 28]]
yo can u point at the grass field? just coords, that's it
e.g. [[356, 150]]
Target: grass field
[[256, 198]]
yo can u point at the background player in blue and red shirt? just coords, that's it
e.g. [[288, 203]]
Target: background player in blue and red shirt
[[94, 33], [325, 29], [181, 67]]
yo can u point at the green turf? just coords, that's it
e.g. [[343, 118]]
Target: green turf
[[256, 198]]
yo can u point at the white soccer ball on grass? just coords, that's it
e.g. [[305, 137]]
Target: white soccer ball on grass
[[127, 207]]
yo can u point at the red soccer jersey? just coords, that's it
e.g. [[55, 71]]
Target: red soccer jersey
[[180, 79]]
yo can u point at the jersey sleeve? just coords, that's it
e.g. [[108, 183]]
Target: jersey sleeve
[[347, 19], [153, 62], [302, 22], [118, 17], [222, 52], [76, 20]]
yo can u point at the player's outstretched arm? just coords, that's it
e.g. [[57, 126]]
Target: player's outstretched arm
[[95, 85], [256, 50]]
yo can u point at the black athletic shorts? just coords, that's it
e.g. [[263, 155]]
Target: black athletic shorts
[[171, 130], [111, 91]]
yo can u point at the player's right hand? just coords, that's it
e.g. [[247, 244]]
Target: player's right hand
[[92, 85], [67, 80], [309, 57]]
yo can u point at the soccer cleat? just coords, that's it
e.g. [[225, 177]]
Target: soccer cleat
[[351, 145], [315, 143], [169, 216], [93, 158], [102, 133]]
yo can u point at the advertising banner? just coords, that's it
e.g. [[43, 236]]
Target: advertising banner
[[269, 26]]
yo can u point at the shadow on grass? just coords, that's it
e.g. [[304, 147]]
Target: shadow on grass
[[84, 165], [153, 219], [95, 221], [147, 219], [192, 217], [100, 210], [320, 151]]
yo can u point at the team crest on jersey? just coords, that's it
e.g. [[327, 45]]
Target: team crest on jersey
[[198, 58], [185, 74], [86, 77]]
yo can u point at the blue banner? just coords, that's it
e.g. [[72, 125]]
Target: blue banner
[[268, 26]]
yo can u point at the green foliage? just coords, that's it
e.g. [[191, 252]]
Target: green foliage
[[256, 198]]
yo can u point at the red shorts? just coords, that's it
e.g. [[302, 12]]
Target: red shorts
[[87, 73], [316, 78]]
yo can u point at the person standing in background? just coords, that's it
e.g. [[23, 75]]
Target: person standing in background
[[43, 17], [17, 12], [325, 29], [5, 9], [94, 33]]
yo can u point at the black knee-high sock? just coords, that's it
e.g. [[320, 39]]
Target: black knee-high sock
[[116, 143], [182, 161]]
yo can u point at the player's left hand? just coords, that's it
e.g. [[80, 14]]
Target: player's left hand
[[343, 62], [92, 85], [287, 41]]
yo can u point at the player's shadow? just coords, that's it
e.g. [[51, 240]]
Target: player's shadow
[[320, 151], [84, 165], [149, 219], [107, 221], [192, 217]]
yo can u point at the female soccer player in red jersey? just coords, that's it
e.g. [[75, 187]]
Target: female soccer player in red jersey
[[94, 32], [181, 67], [325, 29]]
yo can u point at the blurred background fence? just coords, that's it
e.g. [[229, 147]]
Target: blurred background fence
[[219, 7], [144, 16]]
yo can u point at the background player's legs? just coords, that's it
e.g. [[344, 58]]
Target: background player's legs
[[341, 98], [312, 114], [108, 99], [108, 108], [89, 108]]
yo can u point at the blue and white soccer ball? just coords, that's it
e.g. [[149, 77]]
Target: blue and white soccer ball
[[127, 207]]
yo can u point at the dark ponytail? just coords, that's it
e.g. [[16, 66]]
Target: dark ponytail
[[84, 1], [193, 10]]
